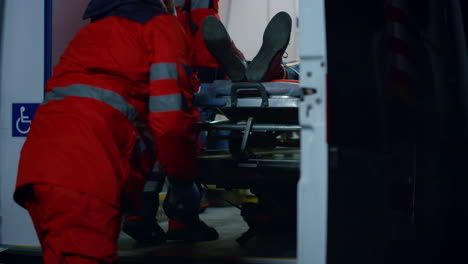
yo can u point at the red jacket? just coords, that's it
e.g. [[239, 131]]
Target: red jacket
[[115, 73], [191, 14]]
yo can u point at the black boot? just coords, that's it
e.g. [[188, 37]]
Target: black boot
[[182, 205], [220, 45], [142, 225], [266, 65], [191, 230], [144, 230]]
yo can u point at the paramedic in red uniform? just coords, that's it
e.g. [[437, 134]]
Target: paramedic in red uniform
[[201, 22], [140, 222], [191, 14], [216, 55], [128, 69]]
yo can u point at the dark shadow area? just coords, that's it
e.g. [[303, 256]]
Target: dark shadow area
[[398, 191]]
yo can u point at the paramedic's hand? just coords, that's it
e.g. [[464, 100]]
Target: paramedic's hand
[[206, 97]]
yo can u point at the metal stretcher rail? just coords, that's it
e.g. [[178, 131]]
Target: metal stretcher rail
[[221, 168], [267, 103], [226, 125], [274, 101]]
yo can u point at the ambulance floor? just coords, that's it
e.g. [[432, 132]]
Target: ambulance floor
[[230, 226]]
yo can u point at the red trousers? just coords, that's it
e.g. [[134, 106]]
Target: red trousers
[[73, 227]]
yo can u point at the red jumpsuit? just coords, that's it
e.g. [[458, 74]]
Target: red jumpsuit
[[191, 13], [75, 165]]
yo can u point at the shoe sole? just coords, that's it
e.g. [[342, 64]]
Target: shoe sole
[[218, 42], [141, 238], [183, 235], [275, 39]]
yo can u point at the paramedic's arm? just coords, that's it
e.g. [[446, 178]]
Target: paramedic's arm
[[172, 118]]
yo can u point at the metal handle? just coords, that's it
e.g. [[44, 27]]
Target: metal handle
[[248, 86]]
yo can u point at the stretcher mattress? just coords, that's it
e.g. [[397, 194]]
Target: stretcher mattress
[[272, 102]]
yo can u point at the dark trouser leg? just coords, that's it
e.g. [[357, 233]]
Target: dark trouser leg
[[143, 227]]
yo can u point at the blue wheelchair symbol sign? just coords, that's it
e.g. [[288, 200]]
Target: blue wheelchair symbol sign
[[23, 114]]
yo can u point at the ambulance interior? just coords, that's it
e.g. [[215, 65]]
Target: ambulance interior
[[396, 174], [249, 164], [241, 156]]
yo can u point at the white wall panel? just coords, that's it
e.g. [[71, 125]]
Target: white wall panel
[[22, 70], [66, 22]]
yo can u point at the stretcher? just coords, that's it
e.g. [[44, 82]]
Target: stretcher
[[263, 153], [263, 133], [271, 165], [267, 102]]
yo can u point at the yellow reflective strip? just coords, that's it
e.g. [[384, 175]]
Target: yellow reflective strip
[[292, 63]]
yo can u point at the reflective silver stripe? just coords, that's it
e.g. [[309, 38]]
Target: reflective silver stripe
[[196, 4], [109, 97], [156, 167], [402, 63], [150, 186], [161, 71], [179, 3], [398, 31], [401, 4], [166, 103]]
